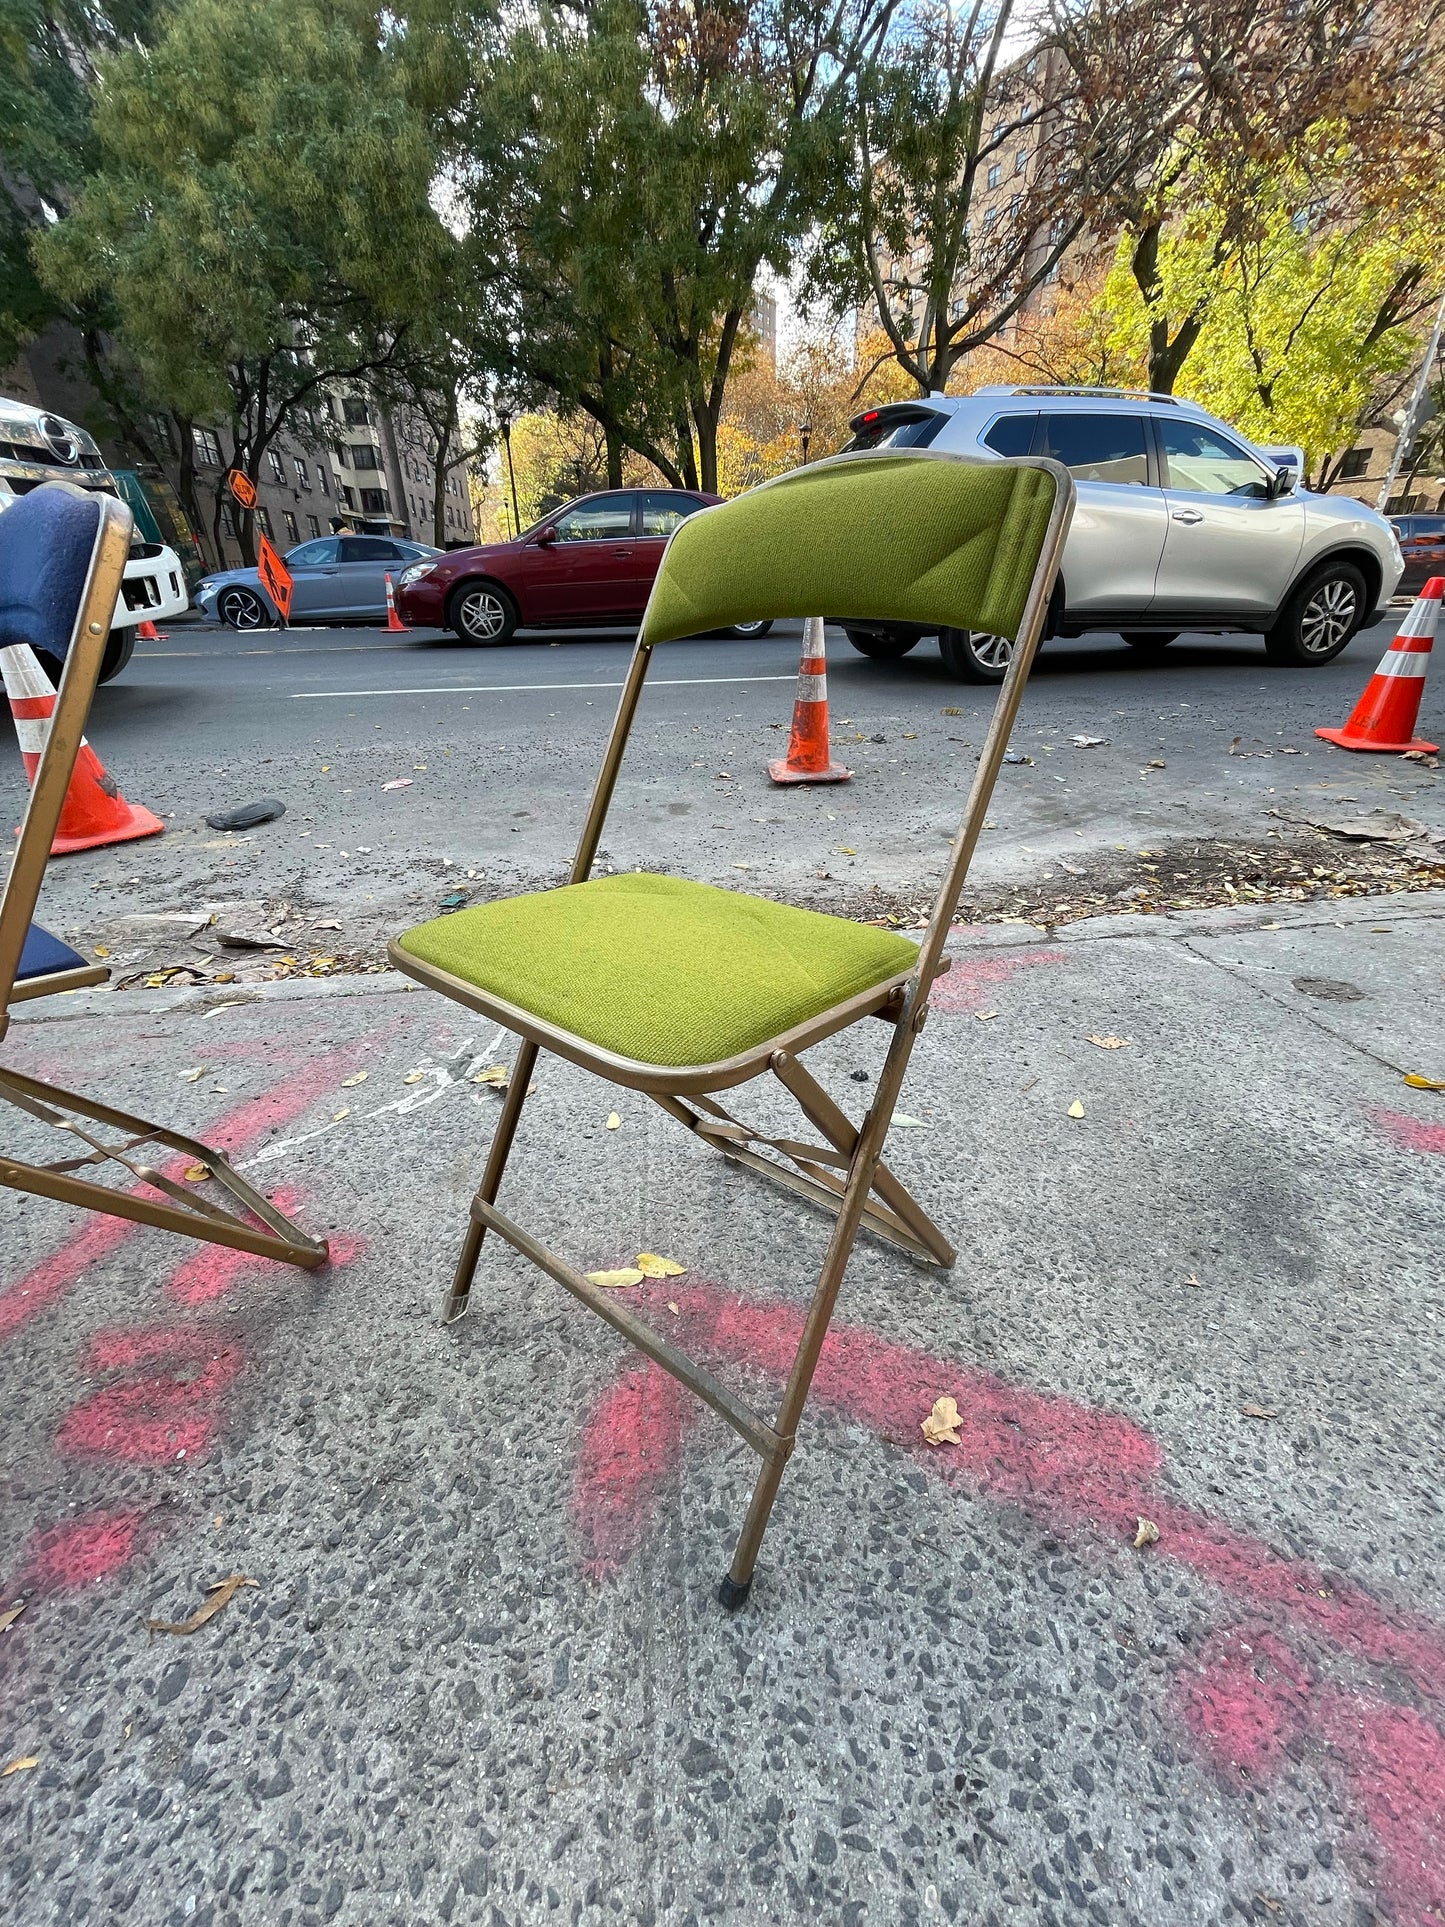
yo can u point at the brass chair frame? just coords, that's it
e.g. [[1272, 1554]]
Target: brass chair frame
[[181, 1207], [845, 1174]]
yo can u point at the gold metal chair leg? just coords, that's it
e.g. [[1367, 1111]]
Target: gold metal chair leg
[[455, 1306]]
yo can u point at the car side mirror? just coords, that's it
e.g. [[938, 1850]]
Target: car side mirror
[[1283, 483], [545, 538]]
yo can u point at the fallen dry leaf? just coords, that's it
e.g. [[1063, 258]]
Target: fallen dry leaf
[[951, 712], [345, 1111], [1258, 1411], [1108, 1043], [22, 1765], [1191, 1279], [413, 1077], [1147, 1535], [652, 1266], [10, 1615], [614, 1122], [1156, 763], [189, 1077], [847, 849], [1088, 742], [399, 783], [196, 1173], [331, 923], [941, 1425], [222, 1592], [495, 1074], [358, 1077], [1419, 1083], [983, 1016], [618, 1280], [672, 1307], [1076, 1109]]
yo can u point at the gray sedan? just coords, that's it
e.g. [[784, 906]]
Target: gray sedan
[[335, 578]]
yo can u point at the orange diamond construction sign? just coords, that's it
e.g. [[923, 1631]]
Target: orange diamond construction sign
[[275, 577]]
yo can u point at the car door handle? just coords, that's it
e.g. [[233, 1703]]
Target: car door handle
[[622, 552], [1187, 515]]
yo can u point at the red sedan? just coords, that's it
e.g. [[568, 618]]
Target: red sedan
[[591, 562]]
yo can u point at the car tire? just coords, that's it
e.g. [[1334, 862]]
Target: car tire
[[1152, 640], [971, 655], [749, 631], [243, 609], [1320, 618], [119, 648], [482, 613], [883, 645]]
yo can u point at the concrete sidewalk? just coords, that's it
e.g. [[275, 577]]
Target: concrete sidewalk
[[482, 1676]]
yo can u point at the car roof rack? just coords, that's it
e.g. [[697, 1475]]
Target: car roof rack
[[1059, 388]]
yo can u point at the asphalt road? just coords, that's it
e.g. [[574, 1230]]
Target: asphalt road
[[498, 747]]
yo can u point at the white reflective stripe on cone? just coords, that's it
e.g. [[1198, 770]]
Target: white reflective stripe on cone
[[812, 689], [34, 734], [1404, 662], [1423, 617]]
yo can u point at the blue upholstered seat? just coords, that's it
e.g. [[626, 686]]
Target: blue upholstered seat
[[47, 539], [44, 954]]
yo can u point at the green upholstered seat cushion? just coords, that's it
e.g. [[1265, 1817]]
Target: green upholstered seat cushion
[[893, 537], [659, 969]]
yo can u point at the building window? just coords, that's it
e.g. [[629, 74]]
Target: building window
[[207, 445], [364, 457], [342, 456], [313, 527], [1014, 206], [322, 479], [160, 427], [263, 519], [357, 413], [374, 502], [348, 496], [293, 534], [228, 521], [1356, 464], [995, 174], [303, 473], [274, 464], [990, 220], [1021, 160]]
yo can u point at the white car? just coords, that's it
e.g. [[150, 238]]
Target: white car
[[1179, 524], [35, 447]]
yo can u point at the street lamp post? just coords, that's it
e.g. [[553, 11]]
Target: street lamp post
[[504, 422], [805, 435]]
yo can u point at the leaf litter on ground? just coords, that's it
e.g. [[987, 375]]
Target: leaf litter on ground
[[222, 1592], [941, 1425]]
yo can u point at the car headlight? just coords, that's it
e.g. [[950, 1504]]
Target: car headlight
[[414, 573]]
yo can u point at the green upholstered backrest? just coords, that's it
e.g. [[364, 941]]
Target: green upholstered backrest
[[893, 536]]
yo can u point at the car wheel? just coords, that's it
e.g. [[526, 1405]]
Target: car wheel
[[119, 648], [1151, 639], [480, 612], [1319, 619], [749, 631], [242, 609], [883, 645], [971, 655]]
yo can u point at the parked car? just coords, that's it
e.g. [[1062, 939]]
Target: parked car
[[37, 446], [335, 578], [1180, 523], [590, 562], [1422, 543]]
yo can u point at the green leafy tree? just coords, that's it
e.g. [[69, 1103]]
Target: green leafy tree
[[258, 214]]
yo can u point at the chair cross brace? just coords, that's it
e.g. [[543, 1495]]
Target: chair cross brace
[[189, 1211]]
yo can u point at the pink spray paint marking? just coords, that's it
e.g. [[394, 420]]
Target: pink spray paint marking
[[163, 1416], [973, 979], [1092, 1473], [80, 1552], [214, 1270], [237, 1131], [1411, 1132]]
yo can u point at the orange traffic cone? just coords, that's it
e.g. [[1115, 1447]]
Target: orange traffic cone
[[1384, 717], [809, 759], [395, 625], [95, 812], [147, 631]]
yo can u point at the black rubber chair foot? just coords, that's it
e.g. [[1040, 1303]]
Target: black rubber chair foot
[[731, 1594]]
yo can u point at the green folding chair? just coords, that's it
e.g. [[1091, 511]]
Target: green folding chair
[[728, 986], [63, 552]]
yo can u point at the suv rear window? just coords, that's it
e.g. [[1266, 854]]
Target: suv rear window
[[899, 425], [1011, 435], [1098, 448]]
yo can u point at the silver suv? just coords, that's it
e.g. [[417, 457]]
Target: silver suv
[[1180, 524]]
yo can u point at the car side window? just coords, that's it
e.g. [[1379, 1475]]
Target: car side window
[[606, 518], [312, 554], [1099, 448], [1011, 435], [369, 548], [663, 509], [1202, 462]]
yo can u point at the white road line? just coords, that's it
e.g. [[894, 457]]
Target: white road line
[[521, 688]]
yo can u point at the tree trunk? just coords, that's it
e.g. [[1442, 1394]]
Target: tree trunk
[[186, 483], [614, 456], [1167, 354], [440, 465]]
